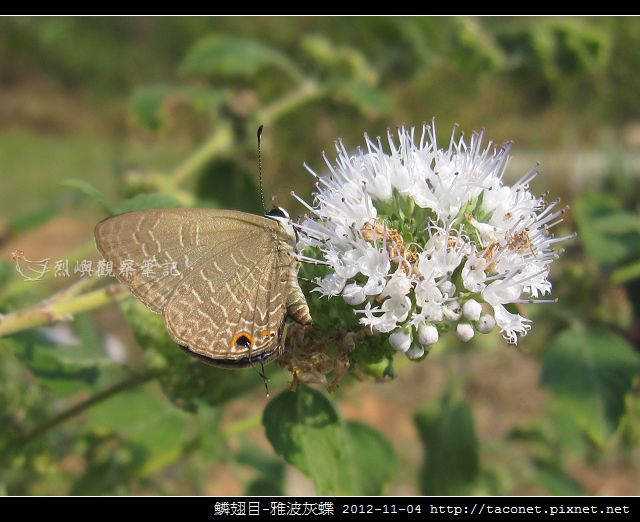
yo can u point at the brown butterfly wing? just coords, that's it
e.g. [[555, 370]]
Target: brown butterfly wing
[[229, 301]]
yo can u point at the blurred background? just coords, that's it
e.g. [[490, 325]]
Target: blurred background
[[104, 115]]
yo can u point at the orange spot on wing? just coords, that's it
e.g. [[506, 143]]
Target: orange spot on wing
[[238, 338]]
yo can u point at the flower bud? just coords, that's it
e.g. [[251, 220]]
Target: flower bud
[[465, 331], [415, 352], [427, 334], [486, 323], [400, 340], [472, 310]]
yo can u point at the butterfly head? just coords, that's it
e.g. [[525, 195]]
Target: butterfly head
[[281, 216]]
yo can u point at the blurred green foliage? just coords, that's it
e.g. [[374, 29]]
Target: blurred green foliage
[[161, 112]]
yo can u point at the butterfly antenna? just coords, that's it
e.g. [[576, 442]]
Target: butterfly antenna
[[260, 172]]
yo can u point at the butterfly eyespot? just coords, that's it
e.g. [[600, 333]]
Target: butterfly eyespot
[[268, 333], [243, 339]]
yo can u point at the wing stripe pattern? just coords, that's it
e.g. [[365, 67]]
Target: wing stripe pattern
[[235, 274]]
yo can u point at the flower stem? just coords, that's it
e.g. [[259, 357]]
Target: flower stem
[[53, 310], [219, 141], [124, 385], [306, 92], [242, 425]]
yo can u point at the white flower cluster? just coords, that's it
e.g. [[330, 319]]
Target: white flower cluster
[[420, 239]]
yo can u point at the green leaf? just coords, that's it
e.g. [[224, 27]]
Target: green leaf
[[62, 369], [229, 57], [448, 435], [339, 458], [22, 402], [369, 100], [270, 479], [149, 103], [145, 201], [133, 434], [110, 464], [609, 233], [626, 273], [140, 418], [305, 429], [590, 370], [90, 191], [372, 457], [557, 481]]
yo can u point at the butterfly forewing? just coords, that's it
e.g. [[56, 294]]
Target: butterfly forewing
[[220, 278]]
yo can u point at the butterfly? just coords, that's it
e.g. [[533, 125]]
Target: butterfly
[[225, 281]]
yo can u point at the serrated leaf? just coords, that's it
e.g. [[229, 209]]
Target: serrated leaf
[[304, 428], [590, 370], [187, 381], [229, 57], [447, 432], [367, 99], [145, 201], [90, 191]]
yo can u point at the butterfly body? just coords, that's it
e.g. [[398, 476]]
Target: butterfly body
[[232, 281]]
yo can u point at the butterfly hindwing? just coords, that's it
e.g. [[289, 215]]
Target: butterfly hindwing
[[237, 317]]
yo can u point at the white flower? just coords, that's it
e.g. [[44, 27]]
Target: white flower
[[331, 284], [511, 324], [411, 230], [474, 274], [447, 288], [353, 294], [374, 264], [398, 285], [452, 310]]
